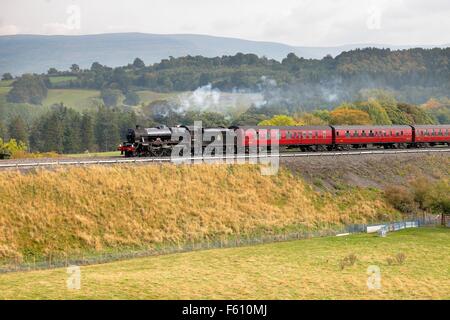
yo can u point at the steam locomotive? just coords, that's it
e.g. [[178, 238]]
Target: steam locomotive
[[160, 141]]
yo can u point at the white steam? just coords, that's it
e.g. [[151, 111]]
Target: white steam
[[209, 99]]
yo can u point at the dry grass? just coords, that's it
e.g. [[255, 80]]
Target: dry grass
[[68, 211], [305, 269], [33, 155]]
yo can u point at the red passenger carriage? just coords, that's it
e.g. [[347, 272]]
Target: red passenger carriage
[[346, 137], [303, 137], [425, 135]]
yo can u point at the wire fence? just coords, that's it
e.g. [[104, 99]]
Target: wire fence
[[222, 242]]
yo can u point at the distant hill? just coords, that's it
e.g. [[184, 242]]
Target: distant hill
[[36, 53]]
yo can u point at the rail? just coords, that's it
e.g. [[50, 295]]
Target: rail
[[211, 158]]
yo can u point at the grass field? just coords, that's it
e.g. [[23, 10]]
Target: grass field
[[6, 83], [77, 99], [305, 269], [147, 96], [59, 79], [4, 90], [94, 154]]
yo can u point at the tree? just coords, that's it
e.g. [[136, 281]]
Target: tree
[[72, 131], [439, 110], [111, 97], [349, 117], [106, 129], [279, 120], [18, 130], [138, 63], [377, 113], [87, 133], [52, 133], [7, 76], [75, 68], [28, 89], [395, 114], [52, 71], [11, 148], [323, 114], [308, 119], [132, 99], [2, 130], [415, 114], [438, 199], [96, 67]]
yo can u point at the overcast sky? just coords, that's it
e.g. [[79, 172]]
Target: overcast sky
[[295, 22]]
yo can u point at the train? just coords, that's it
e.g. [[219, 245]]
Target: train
[[161, 140]]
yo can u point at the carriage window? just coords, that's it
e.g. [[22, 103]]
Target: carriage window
[[317, 134], [401, 133], [347, 134], [337, 133], [384, 133], [310, 134], [371, 133], [324, 134], [363, 134], [304, 134], [355, 133]]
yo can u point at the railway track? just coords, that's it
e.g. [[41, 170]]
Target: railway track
[[65, 162]]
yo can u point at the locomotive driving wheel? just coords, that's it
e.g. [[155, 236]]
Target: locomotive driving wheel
[[157, 151]]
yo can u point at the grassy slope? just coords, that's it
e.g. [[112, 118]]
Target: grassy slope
[[60, 79], [84, 99], [4, 90], [78, 99], [290, 270], [6, 83], [147, 96], [98, 208]]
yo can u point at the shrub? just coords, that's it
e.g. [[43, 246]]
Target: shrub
[[348, 261], [28, 89], [398, 259], [400, 198]]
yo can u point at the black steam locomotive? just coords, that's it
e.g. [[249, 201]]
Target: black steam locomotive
[[160, 141]]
